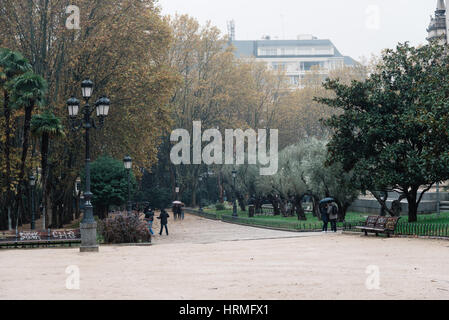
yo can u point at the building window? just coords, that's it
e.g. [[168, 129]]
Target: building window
[[268, 52], [279, 66], [294, 80]]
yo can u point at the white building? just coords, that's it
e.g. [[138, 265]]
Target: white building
[[295, 57], [438, 24]]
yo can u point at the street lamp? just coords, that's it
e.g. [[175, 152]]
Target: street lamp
[[234, 207], [88, 225], [33, 216], [177, 193], [128, 162], [200, 179]]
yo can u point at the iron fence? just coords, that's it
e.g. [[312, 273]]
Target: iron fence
[[408, 229], [402, 229]]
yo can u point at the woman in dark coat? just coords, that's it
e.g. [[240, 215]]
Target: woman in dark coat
[[333, 216]]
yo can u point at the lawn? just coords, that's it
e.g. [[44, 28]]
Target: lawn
[[350, 217]]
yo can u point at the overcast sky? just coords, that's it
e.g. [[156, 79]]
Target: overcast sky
[[356, 27]]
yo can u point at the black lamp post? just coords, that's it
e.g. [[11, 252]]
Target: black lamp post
[[33, 214], [234, 208], [177, 193], [88, 225], [200, 179], [128, 162]]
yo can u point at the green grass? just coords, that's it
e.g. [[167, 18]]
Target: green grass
[[350, 216], [427, 225], [432, 218]]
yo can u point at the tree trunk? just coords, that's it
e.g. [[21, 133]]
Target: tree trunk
[[316, 207], [297, 204], [275, 203], [381, 202], [54, 217], [383, 212], [194, 197], [25, 146], [7, 114], [283, 207], [45, 144], [343, 212], [241, 201], [412, 205], [220, 188], [9, 218]]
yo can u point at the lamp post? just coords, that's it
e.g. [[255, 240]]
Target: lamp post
[[88, 225], [234, 207], [128, 162], [200, 179], [33, 214], [177, 193]]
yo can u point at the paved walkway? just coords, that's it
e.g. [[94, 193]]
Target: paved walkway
[[204, 259], [194, 229]]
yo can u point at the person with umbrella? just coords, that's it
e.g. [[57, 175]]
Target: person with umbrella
[[177, 209], [324, 207], [333, 216]]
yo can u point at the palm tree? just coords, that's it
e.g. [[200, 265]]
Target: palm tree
[[27, 91], [46, 126], [12, 64]]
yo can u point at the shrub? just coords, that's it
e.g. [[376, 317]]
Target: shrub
[[124, 229], [220, 207]]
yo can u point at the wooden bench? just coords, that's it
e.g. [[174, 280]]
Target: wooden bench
[[41, 238], [267, 210], [379, 225]]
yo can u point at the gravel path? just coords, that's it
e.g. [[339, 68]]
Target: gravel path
[[204, 259]]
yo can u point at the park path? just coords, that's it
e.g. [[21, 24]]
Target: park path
[[194, 229], [204, 259]]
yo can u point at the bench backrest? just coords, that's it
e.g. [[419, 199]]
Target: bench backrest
[[49, 235], [371, 221], [381, 222], [392, 223]]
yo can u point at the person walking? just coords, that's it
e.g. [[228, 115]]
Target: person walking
[[175, 211], [333, 216], [324, 216], [164, 221], [149, 218], [178, 211]]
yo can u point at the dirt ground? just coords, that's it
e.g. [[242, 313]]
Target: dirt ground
[[204, 259]]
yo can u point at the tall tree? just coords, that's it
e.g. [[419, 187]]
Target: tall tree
[[28, 91], [123, 47], [386, 134], [109, 184], [12, 65], [46, 126]]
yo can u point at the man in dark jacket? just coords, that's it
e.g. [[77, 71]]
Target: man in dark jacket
[[324, 216], [164, 221]]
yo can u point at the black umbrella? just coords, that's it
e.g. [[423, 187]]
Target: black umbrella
[[327, 200]]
